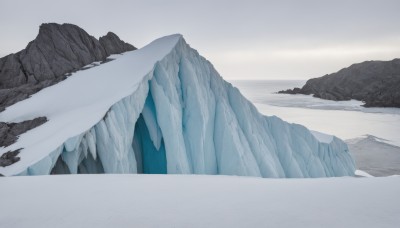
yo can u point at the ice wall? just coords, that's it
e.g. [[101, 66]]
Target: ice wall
[[185, 119]]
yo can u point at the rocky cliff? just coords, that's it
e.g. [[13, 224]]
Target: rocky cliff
[[56, 51], [377, 83]]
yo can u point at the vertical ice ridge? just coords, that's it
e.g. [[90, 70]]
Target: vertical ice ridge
[[184, 118]]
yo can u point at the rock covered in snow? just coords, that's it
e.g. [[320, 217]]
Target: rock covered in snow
[[9, 132], [57, 50], [9, 158]]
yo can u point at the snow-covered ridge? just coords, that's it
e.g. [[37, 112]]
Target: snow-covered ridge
[[163, 109]]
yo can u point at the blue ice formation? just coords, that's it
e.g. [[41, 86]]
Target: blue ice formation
[[185, 119]]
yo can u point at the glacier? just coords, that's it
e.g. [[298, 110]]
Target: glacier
[[164, 109]]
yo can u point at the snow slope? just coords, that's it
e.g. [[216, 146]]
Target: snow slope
[[164, 109], [197, 201]]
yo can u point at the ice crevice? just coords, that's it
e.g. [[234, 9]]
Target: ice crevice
[[183, 118]]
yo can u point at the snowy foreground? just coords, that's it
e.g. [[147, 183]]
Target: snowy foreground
[[197, 201]]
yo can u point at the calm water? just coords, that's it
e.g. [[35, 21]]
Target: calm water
[[345, 119]]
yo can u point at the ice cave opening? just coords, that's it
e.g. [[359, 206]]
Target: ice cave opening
[[149, 158]]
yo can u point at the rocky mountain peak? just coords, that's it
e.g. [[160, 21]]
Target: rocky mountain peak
[[57, 50], [113, 45]]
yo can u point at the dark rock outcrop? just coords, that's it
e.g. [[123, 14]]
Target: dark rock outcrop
[[9, 132], [9, 158], [56, 51], [377, 83]]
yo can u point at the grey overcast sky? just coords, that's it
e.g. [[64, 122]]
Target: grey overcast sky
[[243, 39]]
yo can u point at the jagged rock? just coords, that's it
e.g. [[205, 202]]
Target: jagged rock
[[9, 132], [11, 72], [113, 45], [55, 52], [9, 158], [59, 49], [377, 83]]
